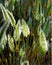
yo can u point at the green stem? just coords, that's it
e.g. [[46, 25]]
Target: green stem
[[20, 10]]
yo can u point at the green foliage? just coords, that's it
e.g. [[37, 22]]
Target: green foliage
[[3, 29], [2, 33], [17, 31], [8, 17], [11, 43], [5, 14], [31, 34], [13, 22], [6, 3], [45, 27], [21, 53], [25, 30], [21, 28], [10, 4], [4, 40], [43, 43]]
